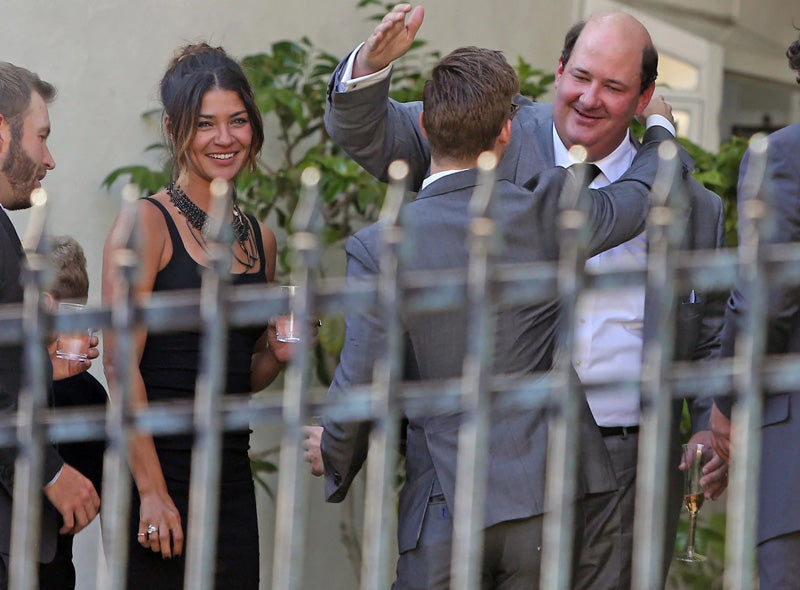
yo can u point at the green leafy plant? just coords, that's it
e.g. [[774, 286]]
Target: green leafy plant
[[719, 172], [709, 541], [261, 465]]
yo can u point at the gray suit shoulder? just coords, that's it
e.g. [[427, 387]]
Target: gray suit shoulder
[[789, 135]]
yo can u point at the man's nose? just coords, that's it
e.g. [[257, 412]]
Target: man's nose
[[591, 96], [47, 159]]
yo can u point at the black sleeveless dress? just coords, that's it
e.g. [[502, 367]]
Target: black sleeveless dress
[[169, 368]]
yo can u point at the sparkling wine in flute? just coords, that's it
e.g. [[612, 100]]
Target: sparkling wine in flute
[[693, 502], [693, 459]]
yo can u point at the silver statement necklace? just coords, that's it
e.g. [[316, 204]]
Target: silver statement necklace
[[197, 221]]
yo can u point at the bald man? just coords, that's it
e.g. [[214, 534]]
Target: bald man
[[605, 77]]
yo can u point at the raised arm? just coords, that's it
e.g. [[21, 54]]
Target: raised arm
[[391, 39], [362, 120]]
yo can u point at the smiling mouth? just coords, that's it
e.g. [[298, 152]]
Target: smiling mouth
[[222, 156], [585, 115]]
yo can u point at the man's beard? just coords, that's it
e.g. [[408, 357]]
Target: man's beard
[[21, 174]]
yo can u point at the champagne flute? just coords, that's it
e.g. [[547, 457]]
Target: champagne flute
[[693, 459]]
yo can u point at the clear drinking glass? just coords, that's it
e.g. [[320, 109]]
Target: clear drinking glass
[[692, 496], [73, 346], [286, 329]]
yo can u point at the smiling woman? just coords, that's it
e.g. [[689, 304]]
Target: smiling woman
[[214, 131]]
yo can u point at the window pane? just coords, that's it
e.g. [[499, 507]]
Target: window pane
[[683, 122], [676, 74]]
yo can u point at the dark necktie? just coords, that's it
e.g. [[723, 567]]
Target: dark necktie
[[586, 172]]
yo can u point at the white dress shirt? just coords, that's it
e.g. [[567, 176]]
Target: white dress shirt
[[609, 322]]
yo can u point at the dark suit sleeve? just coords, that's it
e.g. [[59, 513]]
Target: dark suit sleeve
[[618, 211], [11, 359], [10, 355], [344, 444], [375, 130], [781, 187]]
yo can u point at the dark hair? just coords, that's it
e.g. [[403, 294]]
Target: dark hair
[[193, 71], [16, 87], [649, 71], [466, 101], [793, 53], [70, 280]]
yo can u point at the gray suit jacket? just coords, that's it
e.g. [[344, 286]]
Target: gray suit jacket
[[11, 255], [778, 511], [376, 130], [437, 225]]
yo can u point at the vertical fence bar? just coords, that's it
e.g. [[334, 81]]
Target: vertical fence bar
[[204, 483], [558, 535], [381, 461], [115, 506], [291, 510], [473, 435], [663, 237], [748, 382], [28, 467]]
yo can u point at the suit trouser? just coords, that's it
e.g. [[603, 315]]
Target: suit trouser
[[606, 555], [779, 563], [59, 574], [511, 557]]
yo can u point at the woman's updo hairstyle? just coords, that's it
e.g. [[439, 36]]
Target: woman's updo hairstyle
[[194, 70]]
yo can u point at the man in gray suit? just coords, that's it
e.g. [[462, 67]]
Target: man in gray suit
[[24, 161], [605, 76], [468, 109], [778, 528]]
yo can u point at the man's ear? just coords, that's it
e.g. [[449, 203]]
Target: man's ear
[[644, 98], [559, 71], [504, 137], [5, 134], [422, 125]]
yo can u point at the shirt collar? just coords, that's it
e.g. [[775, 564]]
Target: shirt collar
[[434, 177], [612, 166]]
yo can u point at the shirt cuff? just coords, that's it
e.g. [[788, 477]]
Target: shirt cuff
[[55, 478], [660, 121], [347, 83]]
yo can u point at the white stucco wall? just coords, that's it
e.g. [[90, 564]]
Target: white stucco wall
[[106, 58]]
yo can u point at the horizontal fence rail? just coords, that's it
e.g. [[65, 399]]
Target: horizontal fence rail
[[481, 288]]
